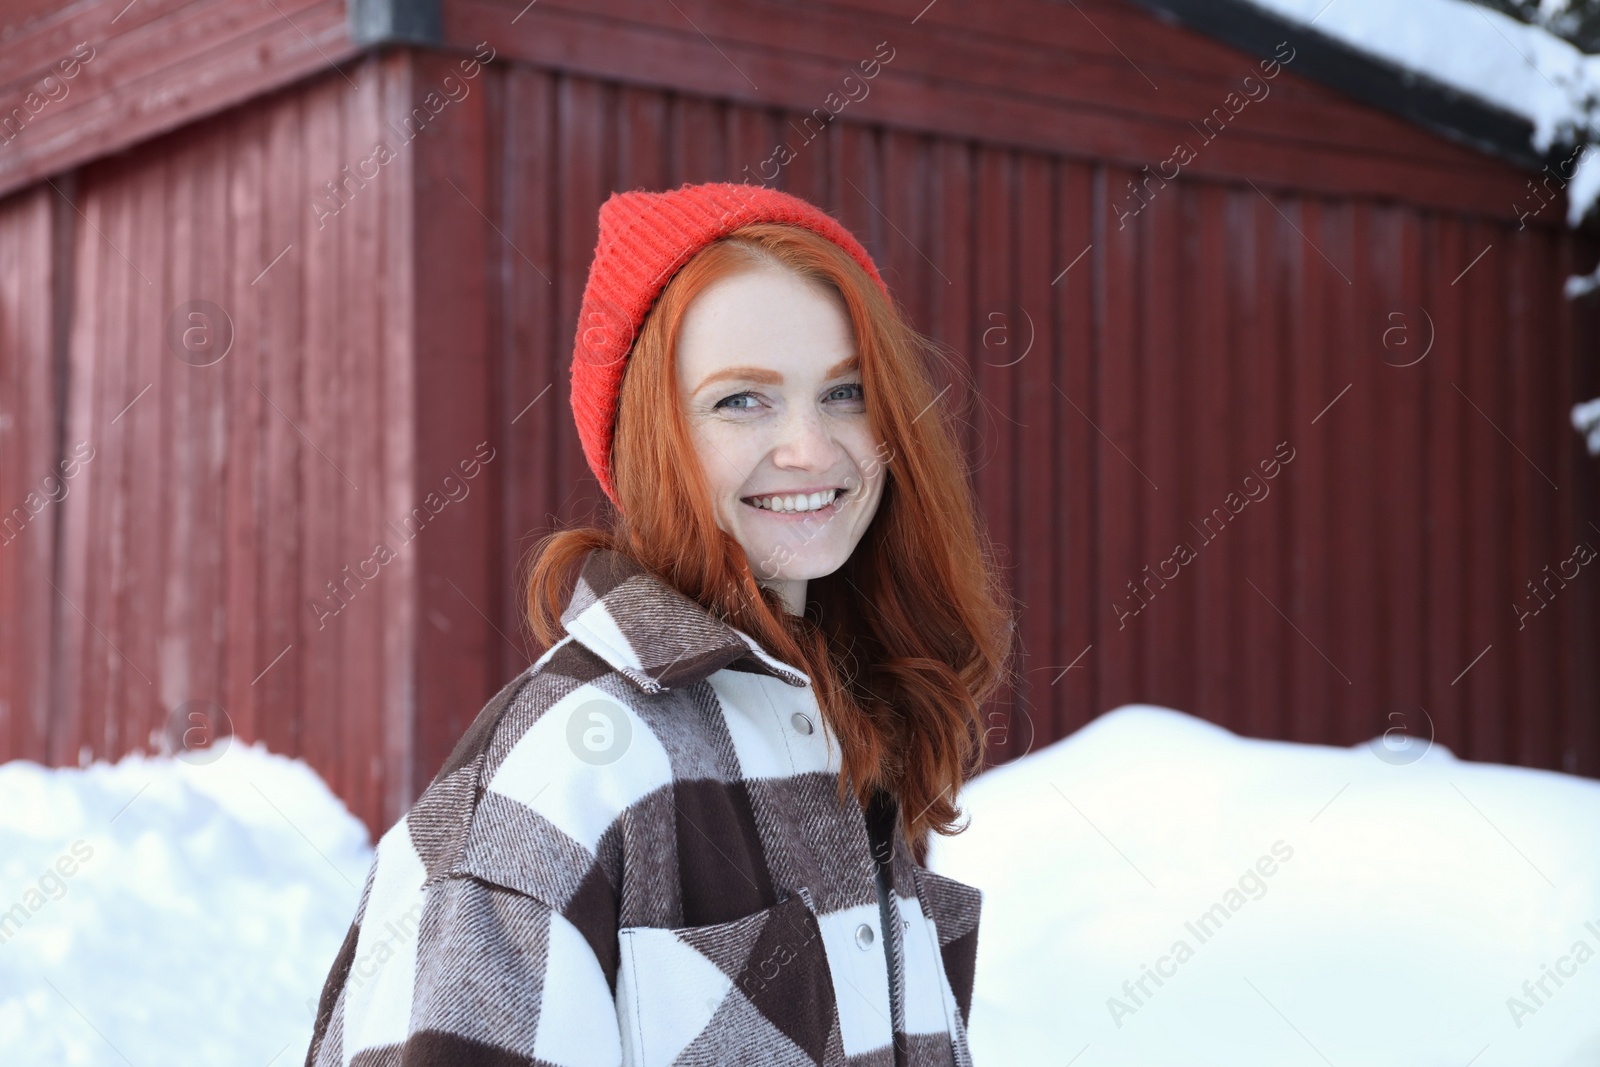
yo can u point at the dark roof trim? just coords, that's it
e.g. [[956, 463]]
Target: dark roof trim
[[1372, 80], [375, 22]]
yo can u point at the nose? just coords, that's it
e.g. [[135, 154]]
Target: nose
[[805, 442]]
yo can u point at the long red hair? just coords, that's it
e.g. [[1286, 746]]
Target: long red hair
[[905, 641]]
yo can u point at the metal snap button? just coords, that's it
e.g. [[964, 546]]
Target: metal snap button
[[864, 935], [801, 722]]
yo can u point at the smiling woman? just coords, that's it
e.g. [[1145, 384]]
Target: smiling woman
[[695, 830], [785, 441], [784, 368]]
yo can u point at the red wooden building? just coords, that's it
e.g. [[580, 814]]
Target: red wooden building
[[281, 283]]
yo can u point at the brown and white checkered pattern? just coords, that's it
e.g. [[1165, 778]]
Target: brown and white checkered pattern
[[635, 856]]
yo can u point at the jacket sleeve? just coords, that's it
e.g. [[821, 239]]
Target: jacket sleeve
[[461, 972]]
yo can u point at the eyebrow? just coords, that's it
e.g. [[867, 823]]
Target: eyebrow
[[764, 376]]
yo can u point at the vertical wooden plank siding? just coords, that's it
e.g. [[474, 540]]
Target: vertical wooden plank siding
[[1213, 630], [212, 550], [1032, 339], [1227, 322], [992, 333], [1163, 328], [1120, 466], [33, 486], [243, 485], [1446, 491], [1071, 599], [529, 349], [1119, 376], [1318, 392], [454, 419]]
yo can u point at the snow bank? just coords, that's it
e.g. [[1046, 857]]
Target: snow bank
[[159, 911], [1162, 892]]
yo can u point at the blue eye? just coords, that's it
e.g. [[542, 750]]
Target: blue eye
[[725, 402]]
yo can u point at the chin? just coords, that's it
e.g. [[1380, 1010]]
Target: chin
[[802, 566]]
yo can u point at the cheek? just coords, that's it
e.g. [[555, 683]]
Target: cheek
[[867, 455], [724, 456]]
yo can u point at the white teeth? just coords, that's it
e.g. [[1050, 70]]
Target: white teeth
[[813, 502]]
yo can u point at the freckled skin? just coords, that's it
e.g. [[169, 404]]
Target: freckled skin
[[757, 438]]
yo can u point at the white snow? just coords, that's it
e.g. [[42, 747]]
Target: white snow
[[1517, 67], [1586, 420], [1410, 895], [1410, 898], [1494, 58], [159, 911], [1584, 186]]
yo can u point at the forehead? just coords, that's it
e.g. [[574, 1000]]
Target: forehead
[[766, 317]]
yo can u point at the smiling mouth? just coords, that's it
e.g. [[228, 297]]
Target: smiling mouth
[[798, 504]]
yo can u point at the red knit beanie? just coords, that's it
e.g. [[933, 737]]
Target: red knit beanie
[[644, 238]]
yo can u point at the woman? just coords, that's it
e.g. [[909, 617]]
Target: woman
[[682, 835]]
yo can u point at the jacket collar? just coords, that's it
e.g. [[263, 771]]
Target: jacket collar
[[654, 635]]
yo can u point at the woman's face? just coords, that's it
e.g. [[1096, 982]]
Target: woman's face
[[773, 398]]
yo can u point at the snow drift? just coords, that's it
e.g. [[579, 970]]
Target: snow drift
[[158, 911], [1161, 892]]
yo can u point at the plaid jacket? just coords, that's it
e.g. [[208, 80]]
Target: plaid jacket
[[635, 856]]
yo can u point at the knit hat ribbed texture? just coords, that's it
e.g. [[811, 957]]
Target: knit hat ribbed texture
[[644, 239]]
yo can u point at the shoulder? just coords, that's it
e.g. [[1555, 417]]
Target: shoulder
[[550, 765]]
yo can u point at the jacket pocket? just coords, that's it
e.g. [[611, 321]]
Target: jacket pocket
[[755, 990], [954, 908]]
